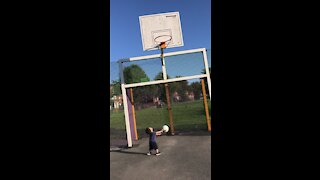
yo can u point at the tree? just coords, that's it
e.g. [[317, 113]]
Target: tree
[[161, 93], [135, 74], [181, 87], [116, 88], [196, 89]]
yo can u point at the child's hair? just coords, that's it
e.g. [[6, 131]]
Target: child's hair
[[148, 130]]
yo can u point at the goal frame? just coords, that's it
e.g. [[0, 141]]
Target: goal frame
[[132, 85]]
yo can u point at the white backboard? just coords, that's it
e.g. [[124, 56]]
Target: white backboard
[[159, 25]]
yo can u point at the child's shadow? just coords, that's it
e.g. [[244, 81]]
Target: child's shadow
[[127, 152]]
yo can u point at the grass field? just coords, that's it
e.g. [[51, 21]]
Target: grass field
[[187, 116]]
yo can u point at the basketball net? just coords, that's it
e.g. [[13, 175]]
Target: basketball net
[[163, 41]]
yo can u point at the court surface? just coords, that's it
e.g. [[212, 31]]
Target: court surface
[[182, 157]]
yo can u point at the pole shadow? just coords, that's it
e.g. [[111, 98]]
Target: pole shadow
[[128, 152]]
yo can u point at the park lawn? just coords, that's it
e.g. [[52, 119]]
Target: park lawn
[[187, 115]]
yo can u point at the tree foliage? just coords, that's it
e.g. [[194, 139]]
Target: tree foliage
[[145, 94], [181, 87], [196, 89], [116, 88], [161, 92], [135, 74]]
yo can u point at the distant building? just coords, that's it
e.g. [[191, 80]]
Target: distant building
[[190, 95], [177, 97], [156, 100], [116, 99]]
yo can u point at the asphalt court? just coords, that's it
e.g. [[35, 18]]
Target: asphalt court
[[184, 157]]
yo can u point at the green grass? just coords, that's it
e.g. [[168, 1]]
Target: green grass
[[187, 115]]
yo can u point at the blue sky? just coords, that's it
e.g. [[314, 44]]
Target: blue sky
[[125, 36]]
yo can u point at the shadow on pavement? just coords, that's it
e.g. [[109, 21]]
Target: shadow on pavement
[[192, 133], [179, 132], [127, 152]]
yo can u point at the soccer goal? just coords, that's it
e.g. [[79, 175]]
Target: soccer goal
[[156, 88]]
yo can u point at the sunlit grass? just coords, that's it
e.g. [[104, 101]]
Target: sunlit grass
[[187, 115]]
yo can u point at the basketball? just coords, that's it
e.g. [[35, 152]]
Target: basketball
[[165, 128]]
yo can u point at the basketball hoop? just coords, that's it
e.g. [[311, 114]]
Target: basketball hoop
[[163, 40], [161, 28]]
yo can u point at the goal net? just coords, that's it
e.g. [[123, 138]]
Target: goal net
[[147, 84]]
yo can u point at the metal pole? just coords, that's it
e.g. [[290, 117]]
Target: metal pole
[[205, 59], [204, 94], [167, 92], [125, 106], [133, 114]]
